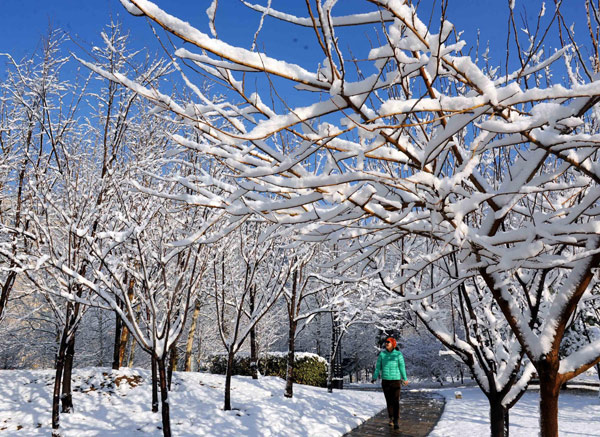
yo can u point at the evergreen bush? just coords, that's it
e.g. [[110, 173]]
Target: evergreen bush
[[309, 369]]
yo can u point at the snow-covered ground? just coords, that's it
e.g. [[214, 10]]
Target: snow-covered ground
[[104, 408], [579, 414], [117, 404]]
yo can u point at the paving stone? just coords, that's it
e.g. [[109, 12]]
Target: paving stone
[[419, 412]]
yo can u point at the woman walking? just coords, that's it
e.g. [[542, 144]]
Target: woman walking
[[390, 364]]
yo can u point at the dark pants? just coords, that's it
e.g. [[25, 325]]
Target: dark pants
[[391, 390]]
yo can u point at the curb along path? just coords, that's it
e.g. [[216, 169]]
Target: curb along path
[[419, 412]]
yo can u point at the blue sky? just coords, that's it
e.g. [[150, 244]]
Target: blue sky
[[24, 23]]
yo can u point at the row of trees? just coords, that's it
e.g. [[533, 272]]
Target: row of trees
[[414, 176], [94, 232], [472, 185]]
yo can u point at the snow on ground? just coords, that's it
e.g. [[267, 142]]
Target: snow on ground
[[578, 415], [114, 404]]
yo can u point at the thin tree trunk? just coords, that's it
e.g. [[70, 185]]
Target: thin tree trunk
[[331, 357], [253, 342], [189, 346], [131, 350], [6, 288], [173, 357], [67, 392], [122, 336], [292, 325], [253, 353], [132, 341], [289, 377], [60, 363], [154, 385], [228, 374], [164, 397], [118, 347], [123, 345]]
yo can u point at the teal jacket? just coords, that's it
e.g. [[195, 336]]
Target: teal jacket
[[390, 365]]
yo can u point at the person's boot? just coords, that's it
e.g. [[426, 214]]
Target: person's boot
[[391, 422], [396, 424]]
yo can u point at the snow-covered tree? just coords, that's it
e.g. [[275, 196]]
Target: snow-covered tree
[[301, 301], [49, 135], [74, 183], [248, 277], [467, 321], [498, 169]]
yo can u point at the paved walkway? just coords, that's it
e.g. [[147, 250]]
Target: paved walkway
[[419, 412]]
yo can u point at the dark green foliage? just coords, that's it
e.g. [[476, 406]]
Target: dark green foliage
[[309, 369]]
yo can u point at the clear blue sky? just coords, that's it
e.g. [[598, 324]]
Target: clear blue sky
[[24, 22]]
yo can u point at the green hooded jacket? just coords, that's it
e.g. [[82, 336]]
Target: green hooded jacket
[[390, 365]]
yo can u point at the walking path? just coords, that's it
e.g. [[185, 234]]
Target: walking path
[[419, 412]]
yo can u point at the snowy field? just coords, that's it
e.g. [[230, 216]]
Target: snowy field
[[117, 404], [104, 408], [579, 414]]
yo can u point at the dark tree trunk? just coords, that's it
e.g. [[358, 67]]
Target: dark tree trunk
[[118, 347], [289, 377], [292, 325], [498, 417], [173, 357], [228, 374], [60, 364], [154, 365], [253, 353], [67, 393], [6, 288], [164, 397]]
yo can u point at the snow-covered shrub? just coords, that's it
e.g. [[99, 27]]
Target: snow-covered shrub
[[310, 369]]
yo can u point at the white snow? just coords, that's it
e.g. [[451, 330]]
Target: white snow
[[578, 414], [103, 408], [196, 403]]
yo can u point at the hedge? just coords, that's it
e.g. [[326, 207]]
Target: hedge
[[309, 369]]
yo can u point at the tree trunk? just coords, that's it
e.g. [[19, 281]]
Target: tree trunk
[[292, 325], [131, 349], [289, 377], [122, 336], [330, 376], [123, 345], [154, 385], [253, 343], [6, 289], [60, 363], [498, 418], [549, 391], [332, 353], [228, 374], [173, 357], [253, 353], [189, 346], [67, 392], [118, 347], [164, 397]]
